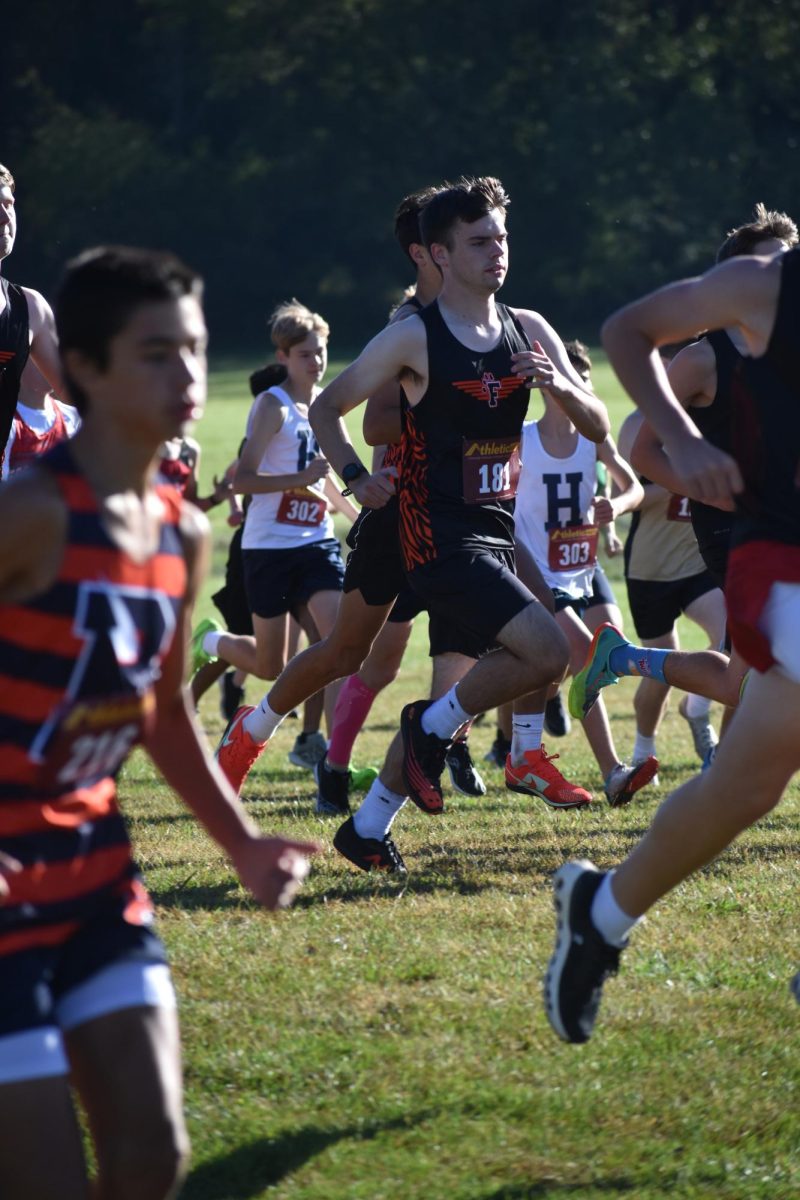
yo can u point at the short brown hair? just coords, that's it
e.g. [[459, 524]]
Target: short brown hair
[[292, 322], [578, 355], [468, 199], [406, 218], [765, 224], [6, 178]]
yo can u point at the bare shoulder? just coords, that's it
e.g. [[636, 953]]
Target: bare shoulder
[[38, 308], [33, 532]]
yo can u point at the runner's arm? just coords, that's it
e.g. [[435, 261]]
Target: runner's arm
[[630, 494], [44, 343], [547, 365], [268, 418], [271, 868]]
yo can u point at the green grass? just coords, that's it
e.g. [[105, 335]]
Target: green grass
[[386, 1038]]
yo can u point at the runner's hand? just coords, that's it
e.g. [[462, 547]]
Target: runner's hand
[[273, 868], [710, 475], [541, 371], [317, 469], [603, 511], [374, 491]]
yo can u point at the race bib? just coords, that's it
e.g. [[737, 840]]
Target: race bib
[[301, 507], [491, 469], [572, 549], [678, 508], [92, 739]]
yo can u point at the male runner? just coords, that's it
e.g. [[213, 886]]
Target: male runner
[[466, 365], [26, 321], [760, 299], [98, 569]]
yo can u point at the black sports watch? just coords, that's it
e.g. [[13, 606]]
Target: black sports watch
[[350, 473]]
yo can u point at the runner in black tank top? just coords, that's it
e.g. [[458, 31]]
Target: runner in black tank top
[[457, 479], [759, 299], [712, 526]]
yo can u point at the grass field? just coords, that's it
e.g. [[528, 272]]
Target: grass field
[[386, 1038]]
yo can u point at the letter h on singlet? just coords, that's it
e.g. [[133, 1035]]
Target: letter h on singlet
[[557, 502]]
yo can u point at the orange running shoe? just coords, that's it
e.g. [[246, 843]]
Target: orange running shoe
[[237, 751], [537, 776]]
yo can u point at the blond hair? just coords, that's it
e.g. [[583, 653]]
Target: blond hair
[[292, 322]]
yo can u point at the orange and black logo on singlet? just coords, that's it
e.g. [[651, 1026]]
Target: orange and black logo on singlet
[[488, 388]]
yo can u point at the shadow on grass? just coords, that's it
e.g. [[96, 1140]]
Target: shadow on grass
[[246, 1171], [614, 1185]]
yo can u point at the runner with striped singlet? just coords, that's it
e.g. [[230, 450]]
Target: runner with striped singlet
[[467, 365], [98, 569], [26, 321], [760, 299]]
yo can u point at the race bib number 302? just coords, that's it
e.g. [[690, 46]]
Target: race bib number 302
[[491, 469], [301, 507], [572, 549]]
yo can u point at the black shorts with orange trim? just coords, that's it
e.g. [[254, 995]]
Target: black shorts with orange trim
[[477, 589], [375, 565]]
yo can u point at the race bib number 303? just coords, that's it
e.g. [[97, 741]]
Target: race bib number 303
[[491, 468], [573, 548], [301, 507]]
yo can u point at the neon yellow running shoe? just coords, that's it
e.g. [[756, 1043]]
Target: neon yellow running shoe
[[596, 674], [199, 656]]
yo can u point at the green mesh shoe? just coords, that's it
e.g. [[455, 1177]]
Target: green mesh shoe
[[199, 655]]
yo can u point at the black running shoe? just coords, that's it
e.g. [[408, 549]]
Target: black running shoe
[[498, 752], [582, 960], [368, 854], [795, 986], [463, 772], [333, 788], [423, 759], [232, 697], [556, 718]]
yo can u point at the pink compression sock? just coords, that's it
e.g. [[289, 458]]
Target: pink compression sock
[[352, 708]]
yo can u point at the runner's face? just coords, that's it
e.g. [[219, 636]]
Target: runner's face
[[479, 254], [306, 361], [155, 379], [8, 221]]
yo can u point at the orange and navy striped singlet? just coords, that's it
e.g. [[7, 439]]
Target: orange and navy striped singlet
[[77, 667]]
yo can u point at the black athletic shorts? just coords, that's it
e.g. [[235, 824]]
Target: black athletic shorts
[[476, 588], [281, 581], [444, 636], [562, 600], [601, 589], [375, 564], [231, 599], [656, 606]]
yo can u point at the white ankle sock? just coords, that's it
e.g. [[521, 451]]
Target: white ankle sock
[[444, 716], [262, 722], [378, 809], [526, 734], [643, 747], [697, 706], [607, 916], [211, 642]]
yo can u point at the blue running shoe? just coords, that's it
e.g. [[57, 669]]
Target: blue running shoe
[[596, 674]]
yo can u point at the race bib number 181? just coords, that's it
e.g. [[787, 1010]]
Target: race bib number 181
[[491, 469]]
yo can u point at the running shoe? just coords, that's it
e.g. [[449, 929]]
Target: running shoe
[[199, 656], [463, 772], [624, 782], [368, 854], [237, 750], [596, 673], [498, 752], [536, 776], [556, 720], [423, 759], [582, 960], [333, 788], [708, 760], [362, 778], [703, 735], [231, 695], [308, 750], [638, 762], [795, 986]]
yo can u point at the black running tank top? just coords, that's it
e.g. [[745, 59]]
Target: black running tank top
[[14, 350], [460, 459]]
